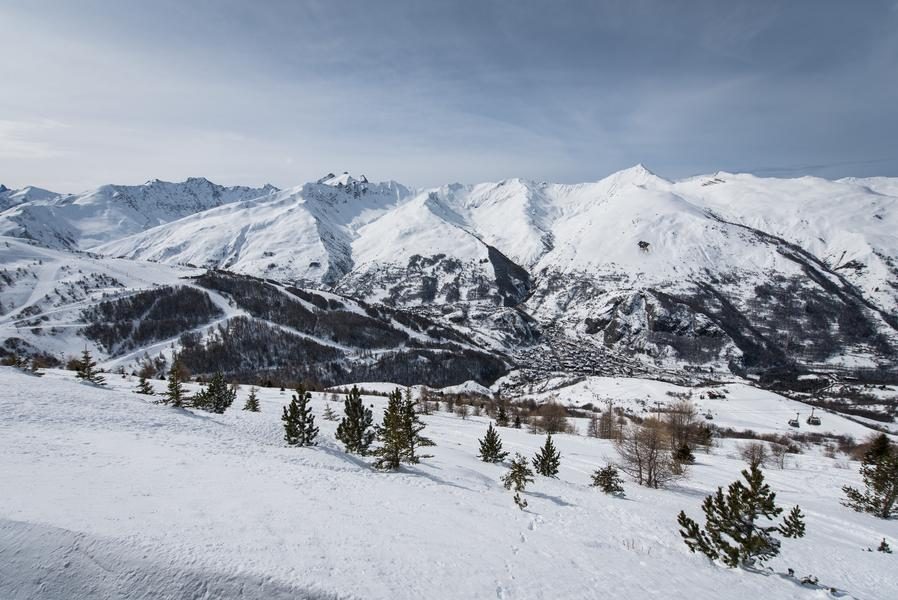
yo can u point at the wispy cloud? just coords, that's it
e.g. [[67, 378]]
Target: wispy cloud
[[21, 140]]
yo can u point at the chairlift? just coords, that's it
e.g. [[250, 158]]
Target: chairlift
[[794, 422], [812, 420], [709, 416]]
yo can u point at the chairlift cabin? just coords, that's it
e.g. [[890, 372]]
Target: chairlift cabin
[[794, 422], [709, 416], [813, 420]]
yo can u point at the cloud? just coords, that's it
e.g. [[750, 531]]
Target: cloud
[[438, 91], [28, 139]]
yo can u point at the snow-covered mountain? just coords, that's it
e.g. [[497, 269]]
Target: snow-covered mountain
[[720, 272], [81, 221], [10, 198]]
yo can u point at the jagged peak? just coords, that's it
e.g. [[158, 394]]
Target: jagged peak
[[3, 188]]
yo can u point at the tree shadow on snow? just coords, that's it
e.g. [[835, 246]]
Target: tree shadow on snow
[[346, 456], [552, 499], [435, 479], [791, 578]]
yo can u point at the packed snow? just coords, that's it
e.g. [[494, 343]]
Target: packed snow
[[106, 494]]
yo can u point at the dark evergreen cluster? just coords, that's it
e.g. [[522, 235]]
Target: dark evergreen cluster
[[148, 316], [217, 396], [738, 529], [265, 301], [400, 434]]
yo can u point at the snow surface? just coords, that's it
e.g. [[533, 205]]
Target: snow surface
[[698, 228], [81, 221], [106, 494]]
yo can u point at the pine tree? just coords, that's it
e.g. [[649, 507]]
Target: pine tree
[[412, 428], [391, 435], [517, 421], [732, 532], [174, 393], [879, 471], [683, 455], [502, 415], [329, 414], [145, 387], [87, 369], [217, 397], [517, 478], [879, 447], [608, 480], [547, 459], [299, 422], [355, 429], [491, 446], [252, 401]]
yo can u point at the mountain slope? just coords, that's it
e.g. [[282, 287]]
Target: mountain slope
[[714, 273], [10, 198], [81, 221]]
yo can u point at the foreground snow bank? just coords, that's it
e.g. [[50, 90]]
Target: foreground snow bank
[[108, 495]]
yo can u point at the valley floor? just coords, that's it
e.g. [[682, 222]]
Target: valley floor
[[104, 494]]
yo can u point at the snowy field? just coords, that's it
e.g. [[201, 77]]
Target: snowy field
[[106, 495]]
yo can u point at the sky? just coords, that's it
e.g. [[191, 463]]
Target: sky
[[432, 92]]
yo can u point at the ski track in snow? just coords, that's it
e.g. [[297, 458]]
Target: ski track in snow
[[106, 494]]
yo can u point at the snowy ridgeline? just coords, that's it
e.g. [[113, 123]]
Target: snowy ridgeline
[[106, 494], [733, 273]]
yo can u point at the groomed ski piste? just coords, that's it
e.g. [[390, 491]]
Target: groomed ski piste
[[104, 494]]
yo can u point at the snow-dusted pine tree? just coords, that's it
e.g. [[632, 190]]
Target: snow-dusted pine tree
[[739, 525], [491, 446], [355, 429], [608, 480], [174, 393], [144, 386], [252, 401], [299, 422], [217, 397], [517, 478], [412, 428], [547, 459], [87, 369], [391, 435], [879, 471]]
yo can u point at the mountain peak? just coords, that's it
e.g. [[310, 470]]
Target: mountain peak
[[3, 188], [635, 175], [343, 179]]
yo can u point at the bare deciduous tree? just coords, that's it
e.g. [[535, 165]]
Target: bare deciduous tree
[[755, 454], [551, 417], [646, 455]]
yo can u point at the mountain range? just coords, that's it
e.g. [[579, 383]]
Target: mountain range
[[779, 280]]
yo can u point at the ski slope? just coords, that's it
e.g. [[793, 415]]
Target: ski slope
[[106, 494]]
